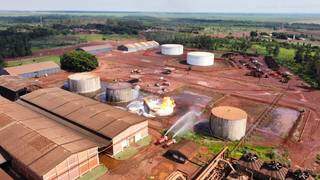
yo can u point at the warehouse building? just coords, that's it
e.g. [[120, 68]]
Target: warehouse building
[[12, 87], [97, 50], [134, 47], [40, 148], [118, 126], [33, 70]]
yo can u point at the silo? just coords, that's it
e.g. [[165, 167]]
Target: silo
[[84, 83], [121, 92], [172, 49], [228, 122], [200, 58]]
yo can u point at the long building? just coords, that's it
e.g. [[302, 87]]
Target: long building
[[96, 50], [12, 87], [32, 70], [120, 127], [139, 46], [40, 148]]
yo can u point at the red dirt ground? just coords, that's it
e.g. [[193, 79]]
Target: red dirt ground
[[302, 141]]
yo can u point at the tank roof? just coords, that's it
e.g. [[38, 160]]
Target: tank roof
[[118, 85], [201, 54], [171, 45], [229, 113], [82, 76]]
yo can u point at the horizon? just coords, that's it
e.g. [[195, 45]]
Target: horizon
[[168, 6]]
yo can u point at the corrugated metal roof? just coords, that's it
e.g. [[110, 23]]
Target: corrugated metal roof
[[4, 175], [95, 48], [98, 117], [29, 68], [142, 45], [36, 141], [16, 83]]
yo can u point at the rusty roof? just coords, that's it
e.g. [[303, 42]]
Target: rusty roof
[[4, 175], [29, 68], [98, 117], [37, 141], [16, 83]]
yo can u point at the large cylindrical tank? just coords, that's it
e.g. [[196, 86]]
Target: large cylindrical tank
[[121, 92], [200, 58], [172, 49], [228, 122], [84, 83]]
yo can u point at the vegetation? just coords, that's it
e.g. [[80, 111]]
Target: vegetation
[[95, 173], [130, 151], [78, 61], [55, 59], [215, 146]]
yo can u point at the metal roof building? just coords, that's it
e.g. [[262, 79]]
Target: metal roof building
[[33, 70], [120, 127], [139, 46], [98, 49], [41, 148], [12, 87]]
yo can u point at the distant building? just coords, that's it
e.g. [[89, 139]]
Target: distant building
[[134, 47], [12, 87], [96, 50], [32, 70]]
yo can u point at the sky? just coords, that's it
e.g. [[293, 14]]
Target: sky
[[231, 6]]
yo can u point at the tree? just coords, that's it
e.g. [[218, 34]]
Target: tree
[[276, 51], [299, 57], [78, 61], [1, 62], [253, 34]]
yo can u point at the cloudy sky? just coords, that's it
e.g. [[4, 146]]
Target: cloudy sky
[[250, 6]]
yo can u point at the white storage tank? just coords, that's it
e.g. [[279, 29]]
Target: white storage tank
[[172, 49], [121, 92], [228, 122], [84, 83], [200, 58]]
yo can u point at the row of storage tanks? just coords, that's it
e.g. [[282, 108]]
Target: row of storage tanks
[[226, 122], [193, 58], [89, 84]]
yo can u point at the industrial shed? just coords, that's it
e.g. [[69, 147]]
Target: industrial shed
[[96, 50], [12, 87], [134, 47], [120, 127], [40, 148], [33, 70]]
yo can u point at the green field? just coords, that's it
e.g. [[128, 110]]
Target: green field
[[55, 59], [95, 173]]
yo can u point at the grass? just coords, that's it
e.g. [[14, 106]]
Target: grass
[[95, 173], [215, 146], [130, 151], [55, 59], [100, 37]]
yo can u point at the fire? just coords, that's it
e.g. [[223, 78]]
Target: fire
[[160, 107], [167, 102]]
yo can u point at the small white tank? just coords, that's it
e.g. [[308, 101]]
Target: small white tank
[[84, 83], [172, 49], [228, 122], [200, 58]]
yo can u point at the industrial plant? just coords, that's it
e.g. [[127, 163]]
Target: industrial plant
[[152, 112]]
